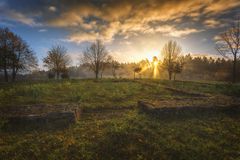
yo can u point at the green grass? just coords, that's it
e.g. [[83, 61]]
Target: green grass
[[105, 93], [87, 92], [120, 133], [211, 88], [129, 135]]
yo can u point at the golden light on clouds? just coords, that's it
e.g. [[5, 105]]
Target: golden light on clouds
[[124, 25], [126, 18]]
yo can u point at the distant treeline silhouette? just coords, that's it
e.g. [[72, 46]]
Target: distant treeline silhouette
[[17, 58], [195, 68]]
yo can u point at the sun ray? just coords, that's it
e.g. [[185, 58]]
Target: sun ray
[[155, 65]]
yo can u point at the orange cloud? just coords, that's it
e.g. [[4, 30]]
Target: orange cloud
[[216, 7], [212, 23], [83, 36], [172, 31], [132, 17]]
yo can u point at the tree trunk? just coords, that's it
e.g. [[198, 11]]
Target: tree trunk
[[133, 75], [13, 74], [5, 62], [96, 75], [170, 75], [57, 75], [113, 73], [5, 69], [234, 68], [174, 76], [5, 74]]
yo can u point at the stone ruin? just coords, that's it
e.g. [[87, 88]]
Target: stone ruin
[[54, 117]]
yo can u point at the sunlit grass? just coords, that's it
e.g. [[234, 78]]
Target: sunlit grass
[[86, 92], [121, 133], [103, 93], [127, 135]]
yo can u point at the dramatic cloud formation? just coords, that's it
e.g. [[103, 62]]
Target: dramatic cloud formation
[[212, 23], [106, 19], [171, 31], [116, 21]]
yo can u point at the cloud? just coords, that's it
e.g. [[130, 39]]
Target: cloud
[[219, 6], [216, 38], [13, 15], [105, 34], [133, 17], [42, 30], [66, 20], [52, 9], [184, 32], [212, 23], [142, 11], [83, 37], [17, 16], [86, 20], [172, 31]]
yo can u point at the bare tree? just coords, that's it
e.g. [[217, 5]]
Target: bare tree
[[170, 52], [23, 58], [15, 54], [228, 45], [57, 60], [105, 64], [115, 65], [95, 56], [177, 68]]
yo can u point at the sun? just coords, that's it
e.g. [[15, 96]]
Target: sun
[[150, 53], [154, 58]]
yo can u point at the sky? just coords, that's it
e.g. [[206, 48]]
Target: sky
[[132, 30]]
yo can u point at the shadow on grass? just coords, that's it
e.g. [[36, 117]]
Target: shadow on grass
[[189, 112], [185, 134], [51, 121]]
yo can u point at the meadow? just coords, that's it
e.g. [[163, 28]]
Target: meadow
[[112, 127]]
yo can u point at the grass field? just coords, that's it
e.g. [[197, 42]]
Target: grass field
[[111, 126]]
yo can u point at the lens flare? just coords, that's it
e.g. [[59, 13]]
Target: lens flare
[[151, 67], [155, 67]]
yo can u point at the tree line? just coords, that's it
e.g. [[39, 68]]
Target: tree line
[[194, 68], [16, 56]]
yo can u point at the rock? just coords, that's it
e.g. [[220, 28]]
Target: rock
[[188, 111], [145, 106], [53, 120]]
